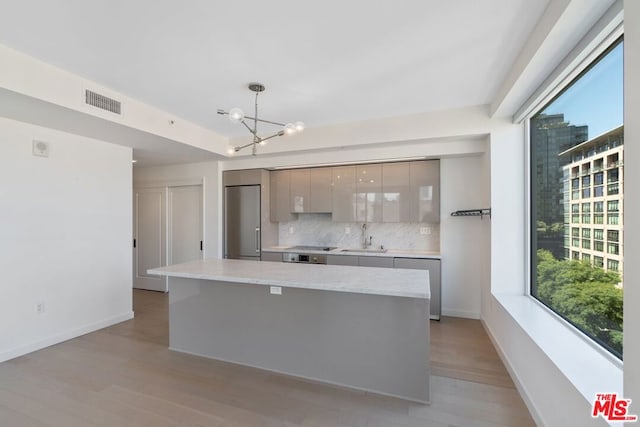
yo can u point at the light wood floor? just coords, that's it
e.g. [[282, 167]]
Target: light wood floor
[[125, 376]]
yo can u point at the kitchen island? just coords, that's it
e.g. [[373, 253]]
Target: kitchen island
[[359, 327]]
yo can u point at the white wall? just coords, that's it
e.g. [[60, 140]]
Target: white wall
[[464, 241], [553, 399], [542, 384], [33, 78], [632, 203], [206, 173], [65, 237]]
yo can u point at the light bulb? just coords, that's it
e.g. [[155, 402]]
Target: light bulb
[[289, 129], [231, 151], [262, 142], [299, 126], [236, 115]]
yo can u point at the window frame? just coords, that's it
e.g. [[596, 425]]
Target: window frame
[[531, 205]]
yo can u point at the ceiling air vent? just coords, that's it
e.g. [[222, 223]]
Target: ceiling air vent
[[102, 102]]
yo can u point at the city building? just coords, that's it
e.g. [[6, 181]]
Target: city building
[[593, 200], [552, 135]]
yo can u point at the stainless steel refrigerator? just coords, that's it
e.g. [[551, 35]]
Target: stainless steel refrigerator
[[242, 222]]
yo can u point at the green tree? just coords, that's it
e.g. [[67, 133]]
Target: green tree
[[541, 227], [556, 228], [585, 295]]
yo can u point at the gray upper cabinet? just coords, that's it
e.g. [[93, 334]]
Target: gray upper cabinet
[[369, 193], [299, 191], [343, 179], [279, 194], [425, 191], [382, 192], [396, 192], [320, 190], [242, 177]]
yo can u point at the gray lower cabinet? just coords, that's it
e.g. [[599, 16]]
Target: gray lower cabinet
[[343, 260], [271, 256], [433, 265], [375, 261]]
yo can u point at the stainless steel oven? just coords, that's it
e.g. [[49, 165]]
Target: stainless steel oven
[[304, 258], [298, 254]]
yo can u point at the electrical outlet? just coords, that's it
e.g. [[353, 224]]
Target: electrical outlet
[[425, 230], [275, 290], [347, 230], [290, 230], [40, 308]]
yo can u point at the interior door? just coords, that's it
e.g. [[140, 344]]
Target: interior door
[[185, 224], [149, 228]]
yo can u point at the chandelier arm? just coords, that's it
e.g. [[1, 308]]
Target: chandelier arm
[[247, 126], [264, 121], [244, 146], [281, 133]]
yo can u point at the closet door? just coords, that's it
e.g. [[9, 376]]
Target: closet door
[[149, 238], [185, 224]]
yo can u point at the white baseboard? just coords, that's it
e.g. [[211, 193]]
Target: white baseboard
[[460, 313], [533, 410], [67, 335]]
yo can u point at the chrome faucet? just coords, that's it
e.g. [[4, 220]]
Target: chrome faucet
[[364, 236], [366, 241]]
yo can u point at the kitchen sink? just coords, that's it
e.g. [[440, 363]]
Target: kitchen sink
[[373, 251]]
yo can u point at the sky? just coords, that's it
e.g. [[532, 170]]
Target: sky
[[596, 99]]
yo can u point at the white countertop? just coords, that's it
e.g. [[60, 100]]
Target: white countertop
[[393, 253], [362, 280]]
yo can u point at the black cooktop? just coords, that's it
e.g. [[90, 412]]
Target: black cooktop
[[312, 248]]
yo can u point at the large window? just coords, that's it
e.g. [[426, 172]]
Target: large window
[[576, 142]]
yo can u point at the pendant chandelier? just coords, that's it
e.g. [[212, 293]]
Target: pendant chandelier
[[236, 115]]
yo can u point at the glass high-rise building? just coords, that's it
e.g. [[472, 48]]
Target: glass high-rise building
[[553, 135]]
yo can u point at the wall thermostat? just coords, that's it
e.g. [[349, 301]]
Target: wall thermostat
[[40, 148]]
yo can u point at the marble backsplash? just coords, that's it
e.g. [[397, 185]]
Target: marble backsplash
[[319, 230]]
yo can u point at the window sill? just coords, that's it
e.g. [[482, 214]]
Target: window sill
[[589, 368]]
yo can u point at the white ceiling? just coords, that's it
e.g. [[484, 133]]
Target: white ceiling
[[322, 62]]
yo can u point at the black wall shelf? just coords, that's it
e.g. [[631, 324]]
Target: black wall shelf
[[473, 212]]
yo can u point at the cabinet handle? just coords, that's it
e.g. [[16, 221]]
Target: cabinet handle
[[200, 245], [134, 243], [258, 240]]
